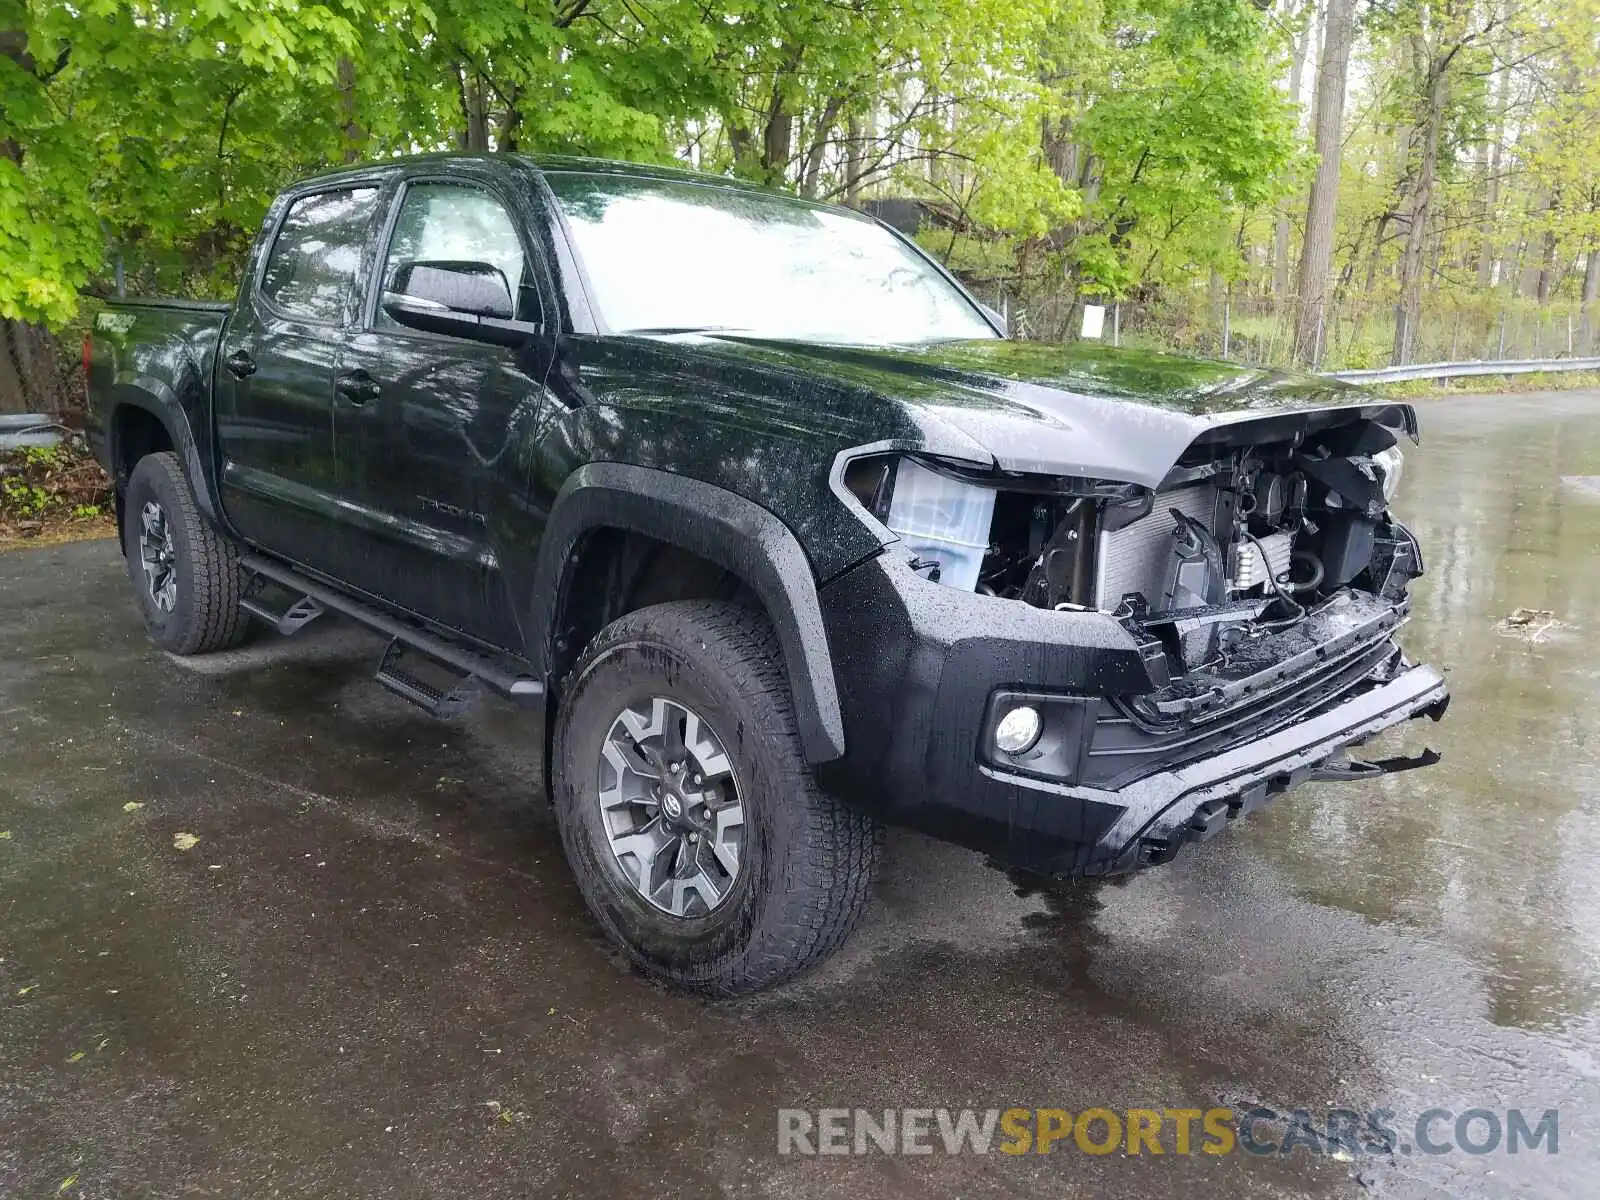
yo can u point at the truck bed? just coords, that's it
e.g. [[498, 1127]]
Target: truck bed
[[161, 351]]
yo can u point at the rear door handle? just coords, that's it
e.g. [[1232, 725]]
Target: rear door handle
[[356, 386], [240, 365]]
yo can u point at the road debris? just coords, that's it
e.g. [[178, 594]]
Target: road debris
[[1533, 625]]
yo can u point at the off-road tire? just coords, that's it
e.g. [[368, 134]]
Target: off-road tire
[[807, 860], [205, 615]]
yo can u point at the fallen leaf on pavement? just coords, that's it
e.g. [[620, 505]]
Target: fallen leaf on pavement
[[184, 841]]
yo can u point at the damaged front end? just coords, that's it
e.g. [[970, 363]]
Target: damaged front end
[[1261, 582]]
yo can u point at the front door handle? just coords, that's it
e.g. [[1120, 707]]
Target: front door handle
[[356, 386], [240, 365]]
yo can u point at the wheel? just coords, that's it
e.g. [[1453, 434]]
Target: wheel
[[185, 574], [699, 839]]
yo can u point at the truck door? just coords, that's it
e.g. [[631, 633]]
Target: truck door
[[274, 389], [428, 425]]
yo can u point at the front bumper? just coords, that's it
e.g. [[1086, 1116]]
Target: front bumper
[[917, 664]]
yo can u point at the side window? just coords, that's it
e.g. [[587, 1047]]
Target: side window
[[450, 222], [317, 255]]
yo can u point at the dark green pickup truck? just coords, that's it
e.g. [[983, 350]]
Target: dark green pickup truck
[[770, 527]]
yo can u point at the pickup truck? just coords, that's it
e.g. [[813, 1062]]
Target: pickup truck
[[770, 527]]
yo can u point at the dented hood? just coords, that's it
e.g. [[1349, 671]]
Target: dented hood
[[1079, 409]]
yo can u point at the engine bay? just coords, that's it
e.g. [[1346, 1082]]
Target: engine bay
[[1239, 541], [1259, 527]]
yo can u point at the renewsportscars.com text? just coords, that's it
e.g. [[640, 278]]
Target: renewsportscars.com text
[[1338, 1132]]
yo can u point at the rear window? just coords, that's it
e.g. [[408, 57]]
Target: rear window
[[316, 257]]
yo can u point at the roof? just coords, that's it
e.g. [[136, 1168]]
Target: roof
[[556, 162]]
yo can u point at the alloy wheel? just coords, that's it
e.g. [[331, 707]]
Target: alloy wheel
[[159, 556], [671, 807]]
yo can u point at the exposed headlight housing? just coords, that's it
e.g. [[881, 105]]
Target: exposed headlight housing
[[940, 518]]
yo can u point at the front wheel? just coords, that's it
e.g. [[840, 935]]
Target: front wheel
[[185, 574], [698, 837]]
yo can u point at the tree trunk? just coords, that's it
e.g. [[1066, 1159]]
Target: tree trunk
[[1316, 252], [1548, 272], [855, 157], [355, 137], [1591, 299], [776, 142], [1501, 84], [31, 375], [819, 146], [508, 134], [474, 132], [1280, 238], [1408, 312]]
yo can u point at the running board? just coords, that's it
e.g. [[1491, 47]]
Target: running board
[[434, 699], [498, 676]]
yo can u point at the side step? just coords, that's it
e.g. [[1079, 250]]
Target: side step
[[432, 698], [501, 676], [289, 622]]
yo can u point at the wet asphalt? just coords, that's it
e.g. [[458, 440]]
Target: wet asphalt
[[372, 976]]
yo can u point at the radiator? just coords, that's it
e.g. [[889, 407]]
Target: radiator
[[1135, 557]]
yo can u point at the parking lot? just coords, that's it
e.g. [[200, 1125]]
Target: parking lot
[[371, 975]]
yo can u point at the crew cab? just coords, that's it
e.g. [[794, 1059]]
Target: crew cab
[[771, 529]]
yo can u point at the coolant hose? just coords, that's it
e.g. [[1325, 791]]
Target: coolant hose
[[1317, 572]]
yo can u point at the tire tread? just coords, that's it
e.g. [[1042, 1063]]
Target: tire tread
[[827, 874], [213, 574]]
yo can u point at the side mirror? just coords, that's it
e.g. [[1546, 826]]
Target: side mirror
[[461, 299]]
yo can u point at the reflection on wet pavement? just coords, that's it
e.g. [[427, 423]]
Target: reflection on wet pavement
[[372, 976]]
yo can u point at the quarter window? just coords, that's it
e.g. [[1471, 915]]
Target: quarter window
[[316, 258], [446, 222]]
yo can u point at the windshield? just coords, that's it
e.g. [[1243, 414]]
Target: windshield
[[667, 256]]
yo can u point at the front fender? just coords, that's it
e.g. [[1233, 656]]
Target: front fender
[[721, 527]]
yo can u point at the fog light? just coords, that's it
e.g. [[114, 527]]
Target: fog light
[[1018, 730]]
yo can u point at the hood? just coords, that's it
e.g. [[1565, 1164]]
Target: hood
[[1077, 409]]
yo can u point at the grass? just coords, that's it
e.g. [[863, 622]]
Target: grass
[[1477, 385]]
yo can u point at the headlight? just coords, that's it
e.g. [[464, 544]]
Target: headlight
[[1391, 463], [939, 518], [944, 519]]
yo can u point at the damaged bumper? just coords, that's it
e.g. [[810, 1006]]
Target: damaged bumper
[[1165, 811], [1112, 785]]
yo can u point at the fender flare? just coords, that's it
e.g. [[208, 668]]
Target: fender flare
[[160, 401], [721, 527]]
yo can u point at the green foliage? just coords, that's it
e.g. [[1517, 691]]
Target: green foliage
[[20, 499], [1134, 149]]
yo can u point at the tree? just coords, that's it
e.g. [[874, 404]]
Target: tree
[[1316, 251]]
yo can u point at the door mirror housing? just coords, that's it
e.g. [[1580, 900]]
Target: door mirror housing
[[459, 299]]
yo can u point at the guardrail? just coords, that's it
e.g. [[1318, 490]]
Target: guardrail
[[18, 430], [1456, 370]]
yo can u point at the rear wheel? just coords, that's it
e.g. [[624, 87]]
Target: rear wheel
[[185, 574], [698, 837]]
